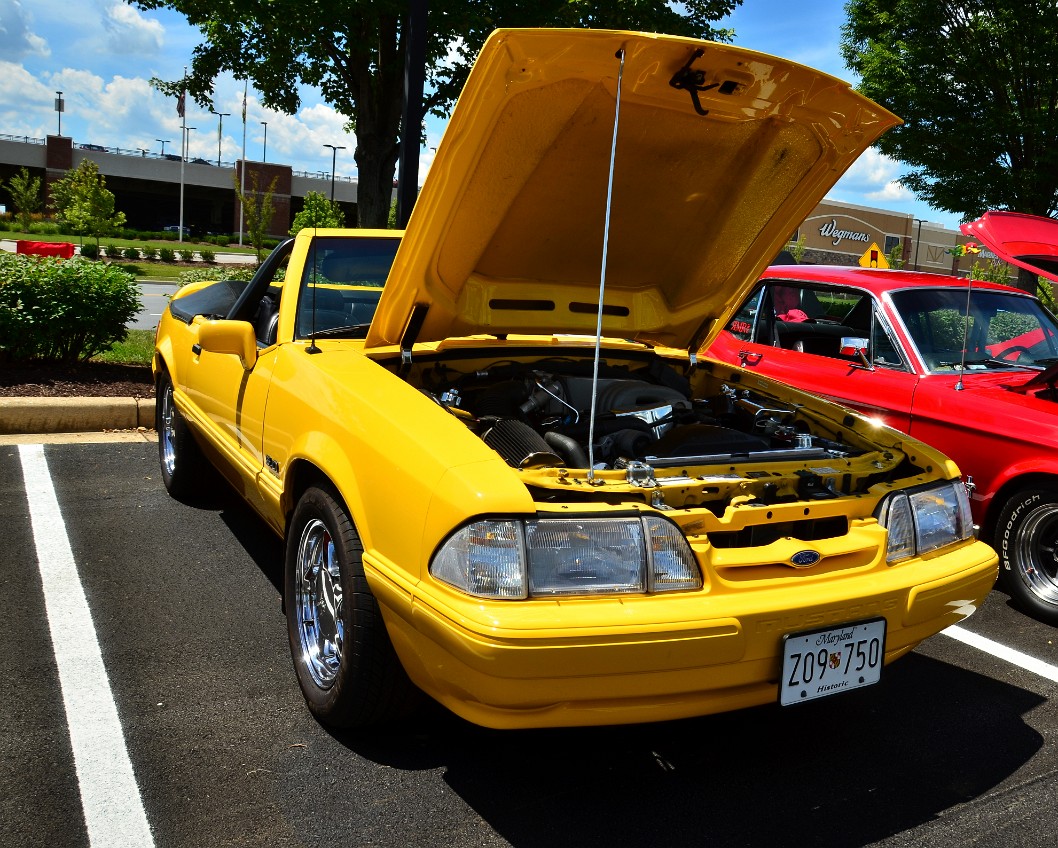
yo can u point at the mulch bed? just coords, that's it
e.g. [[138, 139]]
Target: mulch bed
[[82, 379]]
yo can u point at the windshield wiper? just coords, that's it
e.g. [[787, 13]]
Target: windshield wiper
[[346, 329], [986, 361]]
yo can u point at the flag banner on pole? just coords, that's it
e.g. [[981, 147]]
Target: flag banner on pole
[[180, 105]]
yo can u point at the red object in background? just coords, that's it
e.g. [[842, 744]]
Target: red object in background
[[63, 249]]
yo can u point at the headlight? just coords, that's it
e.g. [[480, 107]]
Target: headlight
[[546, 557], [923, 520]]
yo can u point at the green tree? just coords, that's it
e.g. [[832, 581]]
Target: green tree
[[975, 83], [82, 201], [353, 51], [258, 210], [317, 212], [25, 194]]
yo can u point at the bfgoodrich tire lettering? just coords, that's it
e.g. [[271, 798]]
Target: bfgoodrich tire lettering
[[1027, 541], [346, 666]]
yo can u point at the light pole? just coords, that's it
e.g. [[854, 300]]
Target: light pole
[[918, 238], [220, 129], [60, 107], [264, 148], [334, 156], [164, 142], [187, 141]]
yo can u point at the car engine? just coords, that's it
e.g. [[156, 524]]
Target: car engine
[[539, 416]]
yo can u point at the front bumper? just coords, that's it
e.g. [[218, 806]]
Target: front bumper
[[596, 661]]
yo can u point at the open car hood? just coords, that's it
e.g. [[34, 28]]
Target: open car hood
[[1027, 241], [720, 155]]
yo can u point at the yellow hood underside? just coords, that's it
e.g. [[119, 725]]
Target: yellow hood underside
[[721, 153]]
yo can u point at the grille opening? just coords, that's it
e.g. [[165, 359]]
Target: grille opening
[[807, 530]]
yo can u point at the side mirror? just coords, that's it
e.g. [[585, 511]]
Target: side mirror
[[857, 347], [234, 337]]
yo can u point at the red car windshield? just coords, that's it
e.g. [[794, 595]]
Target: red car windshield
[[1001, 329]]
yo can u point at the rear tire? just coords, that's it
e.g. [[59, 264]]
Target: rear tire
[[345, 663], [182, 462], [1027, 542]]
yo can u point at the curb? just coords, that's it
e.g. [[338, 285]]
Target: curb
[[21, 415]]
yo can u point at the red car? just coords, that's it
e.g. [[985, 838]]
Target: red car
[[970, 370]]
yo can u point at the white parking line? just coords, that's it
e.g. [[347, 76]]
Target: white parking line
[[113, 810], [1010, 655]]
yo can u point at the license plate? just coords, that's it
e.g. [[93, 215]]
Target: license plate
[[818, 663]]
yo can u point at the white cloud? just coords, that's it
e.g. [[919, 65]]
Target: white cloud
[[129, 32], [16, 37]]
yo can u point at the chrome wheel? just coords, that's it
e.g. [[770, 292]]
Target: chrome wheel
[[318, 603], [167, 429], [1035, 553]]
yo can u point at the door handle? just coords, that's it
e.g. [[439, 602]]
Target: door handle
[[749, 358]]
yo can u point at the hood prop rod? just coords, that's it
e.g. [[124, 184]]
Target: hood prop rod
[[602, 275]]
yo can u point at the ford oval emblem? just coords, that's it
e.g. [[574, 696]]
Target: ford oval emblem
[[803, 559]]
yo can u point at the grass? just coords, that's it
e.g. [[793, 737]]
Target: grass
[[136, 349]]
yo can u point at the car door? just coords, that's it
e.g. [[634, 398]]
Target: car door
[[794, 331], [230, 395]]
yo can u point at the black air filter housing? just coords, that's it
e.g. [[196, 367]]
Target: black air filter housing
[[520, 445]]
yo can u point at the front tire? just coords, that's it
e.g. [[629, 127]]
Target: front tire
[[1027, 541], [182, 462], [345, 663]]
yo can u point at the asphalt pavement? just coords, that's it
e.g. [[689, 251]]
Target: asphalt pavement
[[953, 748]]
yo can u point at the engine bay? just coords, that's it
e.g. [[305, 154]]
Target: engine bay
[[650, 420]]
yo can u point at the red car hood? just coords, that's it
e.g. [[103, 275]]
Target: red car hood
[[1027, 241]]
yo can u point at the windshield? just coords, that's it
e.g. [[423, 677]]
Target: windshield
[[1005, 330]]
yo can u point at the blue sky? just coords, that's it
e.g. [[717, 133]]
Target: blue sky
[[101, 54]]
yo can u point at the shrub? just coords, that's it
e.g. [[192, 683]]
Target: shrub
[[231, 272], [112, 251], [45, 228], [62, 310], [90, 250], [186, 255], [166, 254], [207, 255], [149, 252], [132, 253]]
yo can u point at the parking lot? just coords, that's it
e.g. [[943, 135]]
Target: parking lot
[[196, 734]]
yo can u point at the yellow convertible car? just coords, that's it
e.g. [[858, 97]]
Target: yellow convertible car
[[502, 474]]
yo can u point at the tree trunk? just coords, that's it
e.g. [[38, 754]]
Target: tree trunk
[[1027, 280]]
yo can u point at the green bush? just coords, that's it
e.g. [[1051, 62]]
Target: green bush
[[111, 251], [166, 254], [207, 255], [149, 252], [45, 228], [186, 255], [231, 272], [131, 253], [62, 310], [90, 250]]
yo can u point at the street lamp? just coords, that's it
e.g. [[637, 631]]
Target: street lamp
[[60, 107], [164, 142], [220, 129], [334, 155], [264, 148], [918, 238], [187, 141]]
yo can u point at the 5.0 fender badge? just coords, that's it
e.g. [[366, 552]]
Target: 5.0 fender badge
[[803, 559]]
